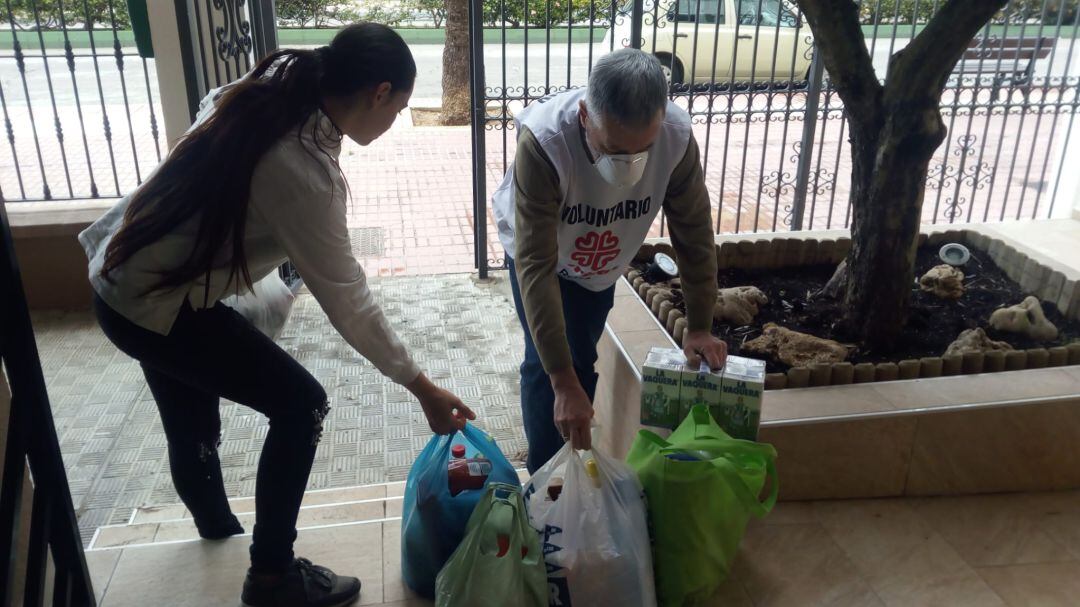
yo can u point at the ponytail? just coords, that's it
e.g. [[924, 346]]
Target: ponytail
[[207, 177]]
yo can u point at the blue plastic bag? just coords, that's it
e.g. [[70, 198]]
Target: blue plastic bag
[[433, 522]]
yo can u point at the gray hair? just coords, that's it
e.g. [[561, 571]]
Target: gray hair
[[628, 87]]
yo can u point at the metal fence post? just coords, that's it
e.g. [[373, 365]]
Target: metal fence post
[[637, 17], [806, 149], [479, 122], [264, 26]]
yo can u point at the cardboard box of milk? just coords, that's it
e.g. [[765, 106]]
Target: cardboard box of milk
[[661, 377], [739, 412], [699, 387]]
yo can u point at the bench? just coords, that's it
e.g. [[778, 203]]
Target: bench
[[1010, 60]]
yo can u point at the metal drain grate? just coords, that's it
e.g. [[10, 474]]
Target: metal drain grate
[[367, 242]]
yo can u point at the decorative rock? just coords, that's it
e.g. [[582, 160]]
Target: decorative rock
[[944, 281], [798, 377], [952, 365], [975, 340], [796, 349], [776, 381], [1016, 360], [672, 318], [1026, 318], [1038, 358], [973, 362], [843, 374], [887, 372], [994, 362], [820, 374], [738, 305], [909, 369], [931, 367], [1059, 356], [865, 373]]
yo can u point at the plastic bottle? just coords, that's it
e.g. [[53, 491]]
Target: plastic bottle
[[466, 473], [593, 471]]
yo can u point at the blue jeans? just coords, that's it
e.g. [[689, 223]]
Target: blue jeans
[[585, 313]]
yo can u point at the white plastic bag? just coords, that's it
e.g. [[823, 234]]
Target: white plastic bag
[[267, 306], [594, 535]]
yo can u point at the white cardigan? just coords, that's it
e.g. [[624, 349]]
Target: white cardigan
[[297, 212]]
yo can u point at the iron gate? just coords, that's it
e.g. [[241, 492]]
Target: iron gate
[[80, 106], [770, 125]]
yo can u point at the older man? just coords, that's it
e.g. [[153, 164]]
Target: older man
[[593, 168]]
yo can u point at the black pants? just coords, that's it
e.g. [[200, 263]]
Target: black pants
[[217, 353]]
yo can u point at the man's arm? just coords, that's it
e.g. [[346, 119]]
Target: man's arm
[[537, 201], [689, 218]]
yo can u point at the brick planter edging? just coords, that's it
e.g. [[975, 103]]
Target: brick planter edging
[[1033, 277]]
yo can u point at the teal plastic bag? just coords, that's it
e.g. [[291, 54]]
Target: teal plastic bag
[[433, 521], [702, 486], [499, 562]]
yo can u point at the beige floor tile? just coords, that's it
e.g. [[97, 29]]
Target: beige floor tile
[[1039, 585], [395, 489], [352, 494], [638, 343], [991, 387], [111, 537], [156, 514], [992, 530], [410, 603], [788, 513], [905, 560], [348, 513], [394, 588], [242, 504], [824, 402], [393, 507], [798, 565], [186, 530], [731, 594], [101, 564], [196, 574], [1058, 514]]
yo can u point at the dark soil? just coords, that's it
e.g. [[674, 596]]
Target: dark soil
[[932, 325]]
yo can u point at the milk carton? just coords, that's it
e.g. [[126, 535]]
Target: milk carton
[[739, 412], [661, 377], [700, 386]]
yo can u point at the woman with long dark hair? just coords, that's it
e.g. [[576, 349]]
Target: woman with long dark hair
[[254, 183]]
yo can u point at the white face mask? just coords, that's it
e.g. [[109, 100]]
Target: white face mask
[[620, 170]]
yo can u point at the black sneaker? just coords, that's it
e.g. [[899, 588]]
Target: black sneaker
[[303, 585]]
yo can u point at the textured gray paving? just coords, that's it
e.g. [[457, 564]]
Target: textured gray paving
[[464, 335]]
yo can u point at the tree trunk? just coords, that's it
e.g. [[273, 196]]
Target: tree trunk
[[888, 182], [457, 99]]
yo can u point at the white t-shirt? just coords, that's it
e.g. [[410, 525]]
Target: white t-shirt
[[601, 226], [297, 213]]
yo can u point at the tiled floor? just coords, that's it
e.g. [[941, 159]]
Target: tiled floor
[[463, 334], [983, 551]]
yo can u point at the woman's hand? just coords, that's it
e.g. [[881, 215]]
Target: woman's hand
[[444, 411]]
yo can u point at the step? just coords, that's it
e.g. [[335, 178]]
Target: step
[[320, 509]]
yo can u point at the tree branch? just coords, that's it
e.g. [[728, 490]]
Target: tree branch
[[923, 67], [839, 38]]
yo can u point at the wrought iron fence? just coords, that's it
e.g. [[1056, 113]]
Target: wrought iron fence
[[771, 127], [80, 106]]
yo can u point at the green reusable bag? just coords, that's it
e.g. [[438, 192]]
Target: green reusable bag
[[699, 503], [499, 562]]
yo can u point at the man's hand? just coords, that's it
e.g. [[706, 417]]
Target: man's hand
[[702, 344], [573, 410], [444, 411]]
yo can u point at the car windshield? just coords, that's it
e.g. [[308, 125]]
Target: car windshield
[[772, 12]]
